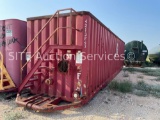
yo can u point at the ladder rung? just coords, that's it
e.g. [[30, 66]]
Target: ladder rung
[[5, 80], [8, 87], [3, 75], [37, 73], [29, 85], [4, 72], [43, 67], [33, 79]]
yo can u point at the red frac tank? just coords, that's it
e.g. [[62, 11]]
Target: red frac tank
[[75, 80]]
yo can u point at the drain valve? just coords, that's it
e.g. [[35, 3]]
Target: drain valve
[[48, 81]]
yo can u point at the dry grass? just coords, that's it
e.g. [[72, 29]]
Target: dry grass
[[125, 74], [158, 79], [140, 76], [14, 116]]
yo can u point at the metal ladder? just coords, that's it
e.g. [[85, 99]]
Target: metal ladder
[[33, 75], [6, 81], [39, 101]]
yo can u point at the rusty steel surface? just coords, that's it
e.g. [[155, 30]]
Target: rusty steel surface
[[39, 103], [69, 78], [13, 39]]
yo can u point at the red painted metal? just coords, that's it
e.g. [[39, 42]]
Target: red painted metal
[[12, 42], [71, 34]]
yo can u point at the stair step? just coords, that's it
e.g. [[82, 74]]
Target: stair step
[[43, 67], [28, 85], [33, 79], [37, 73], [34, 71]]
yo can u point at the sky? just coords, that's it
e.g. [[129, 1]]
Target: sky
[[128, 19]]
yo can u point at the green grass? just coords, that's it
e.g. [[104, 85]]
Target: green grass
[[153, 90], [146, 71], [153, 73], [158, 79], [124, 86], [2, 95], [14, 116], [129, 69], [140, 93], [156, 94], [148, 64], [141, 85], [140, 89]]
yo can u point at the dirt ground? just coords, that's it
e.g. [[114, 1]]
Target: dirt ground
[[106, 105]]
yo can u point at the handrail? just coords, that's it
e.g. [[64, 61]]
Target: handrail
[[46, 25], [1, 66], [46, 41], [57, 12]]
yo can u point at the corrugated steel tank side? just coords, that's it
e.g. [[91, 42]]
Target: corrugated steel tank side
[[94, 39], [100, 41], [14, 42]]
